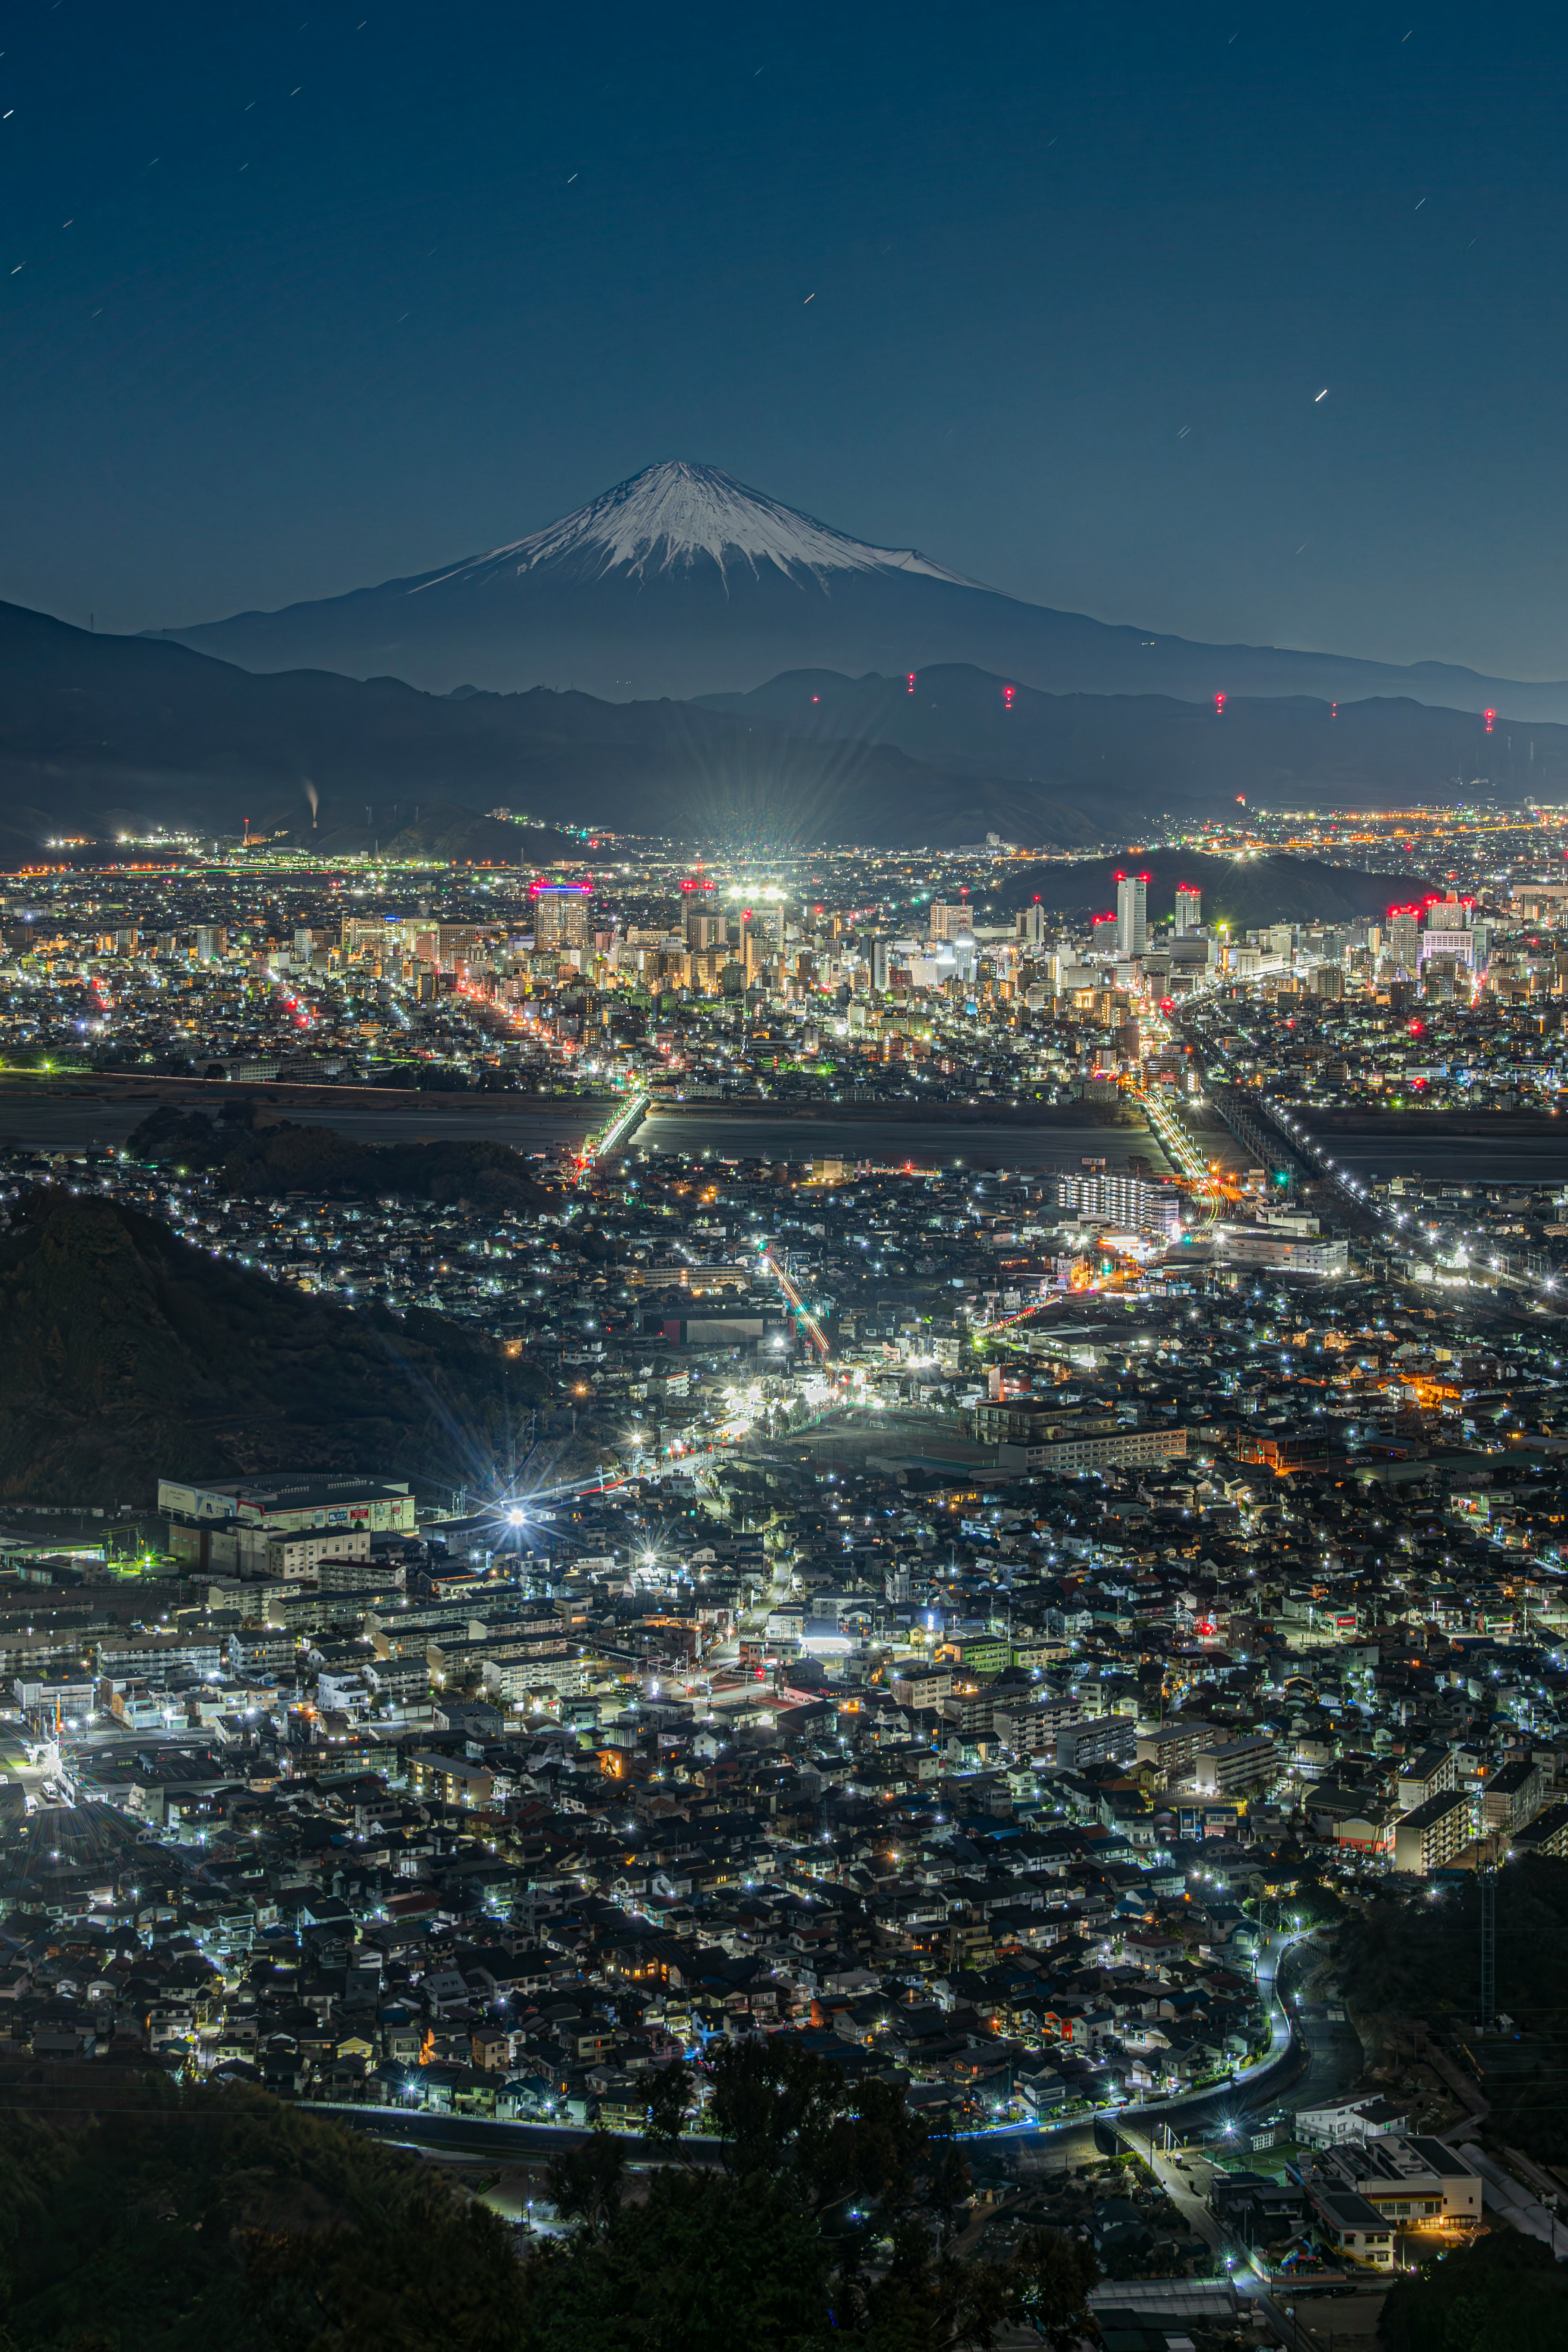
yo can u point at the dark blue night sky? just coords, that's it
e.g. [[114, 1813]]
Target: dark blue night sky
[[350, 291]]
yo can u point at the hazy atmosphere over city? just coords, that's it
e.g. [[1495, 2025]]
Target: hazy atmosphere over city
[[784, 1220]]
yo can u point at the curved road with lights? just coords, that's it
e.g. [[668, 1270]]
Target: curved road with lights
[[1388, 1225], [1290, 2057]]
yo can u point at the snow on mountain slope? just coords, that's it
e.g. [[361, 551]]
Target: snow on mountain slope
[[670, 515], [681, 582]]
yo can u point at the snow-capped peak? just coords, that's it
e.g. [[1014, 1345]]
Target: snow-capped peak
[[669, 516]]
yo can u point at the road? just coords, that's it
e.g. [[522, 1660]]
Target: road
[[477, 2136], [1330, 2058], [1314, 2065], [1255, 2086], [1381, 1222]]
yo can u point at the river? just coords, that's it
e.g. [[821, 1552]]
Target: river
[[893, 1143], [64, 1123], [1503, 1154]]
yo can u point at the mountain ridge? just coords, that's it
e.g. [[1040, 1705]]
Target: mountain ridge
[[118, 733], [634, 596]]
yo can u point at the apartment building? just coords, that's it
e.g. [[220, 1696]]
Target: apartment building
[[1132, 1447], [1513, 1795], [1235, 1764], [919, 1687], [1547, 1833], [1109, 1740], [1426, 1774], [1429, 1839], [1174, 1749], [1126, 1201]]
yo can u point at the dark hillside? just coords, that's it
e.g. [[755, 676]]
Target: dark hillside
[[252, 1150], [130, 1354], [1241, 891], [1400, 1960], [180, 2223]]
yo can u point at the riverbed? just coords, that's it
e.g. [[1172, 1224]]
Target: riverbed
[[895, 1143], [67, 1123], [1501, 1154]]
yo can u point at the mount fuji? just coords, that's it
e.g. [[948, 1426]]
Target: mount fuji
[[681, 582]]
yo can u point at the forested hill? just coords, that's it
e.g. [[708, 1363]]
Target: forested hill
[[131, 1355]]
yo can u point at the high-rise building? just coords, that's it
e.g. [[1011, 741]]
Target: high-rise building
[[1139, 1207], [1030, 926], [561, 912], [1131, 914], [1189, 909], [1404, 938], [1449, 914]]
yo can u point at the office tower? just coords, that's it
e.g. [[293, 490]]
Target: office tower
[[1189, 909], [1404, 938], [560, 914], [1131, 914]]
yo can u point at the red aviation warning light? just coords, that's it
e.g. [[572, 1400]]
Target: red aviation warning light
[[1007, 694], [697, 882], [1219, 706], [910, 681], [542, 889], [1489, 716], [1333, 711]]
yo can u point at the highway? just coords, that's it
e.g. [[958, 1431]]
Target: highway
[[1388, 1224]]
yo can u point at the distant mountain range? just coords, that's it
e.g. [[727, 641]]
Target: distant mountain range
[[113, 733], [682, 582]]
